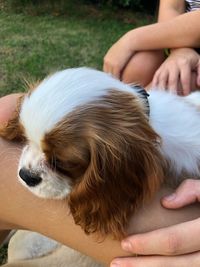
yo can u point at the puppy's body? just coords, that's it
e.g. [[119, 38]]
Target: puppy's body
[[175, 119], [94, 139]]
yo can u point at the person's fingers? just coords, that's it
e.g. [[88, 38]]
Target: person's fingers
[[7, 107], [155, 80], [174, 240], [105, 67], [185, 79], [190, 260], [113, 69], [163, 80], [198, 74], [116, 72], [173, 79], [188, 192], [194, 85]]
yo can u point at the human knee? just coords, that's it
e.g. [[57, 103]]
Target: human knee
[[142, 66]]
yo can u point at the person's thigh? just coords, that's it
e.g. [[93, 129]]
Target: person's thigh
[[142, 66]]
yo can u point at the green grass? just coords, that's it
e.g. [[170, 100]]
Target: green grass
[[31, 46], [3, 254], [35, 41]]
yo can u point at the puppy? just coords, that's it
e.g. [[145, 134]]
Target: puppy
[[103, 144]]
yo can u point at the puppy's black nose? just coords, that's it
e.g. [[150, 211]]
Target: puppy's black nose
[[30, 178]]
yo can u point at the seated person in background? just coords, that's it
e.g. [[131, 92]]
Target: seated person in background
[[138, 57]]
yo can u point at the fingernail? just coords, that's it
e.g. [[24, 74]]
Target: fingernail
[[126, 245], [170, 197]]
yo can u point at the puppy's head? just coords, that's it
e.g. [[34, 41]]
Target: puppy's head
[[88, 139]]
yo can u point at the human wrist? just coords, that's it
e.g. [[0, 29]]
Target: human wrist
[[132, 40], [137, 39], [184, 52]]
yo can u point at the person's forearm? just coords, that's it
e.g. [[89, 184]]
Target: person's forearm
[[169, 9], [19, 208], [182, 31]]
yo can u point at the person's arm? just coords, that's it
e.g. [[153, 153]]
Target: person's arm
[[19, 208], [178, 73], [182, 31], [169, 9], [180, 241]]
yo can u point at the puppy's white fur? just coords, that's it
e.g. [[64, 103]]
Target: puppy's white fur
[[174, 118], [60, 94], [52, 185]]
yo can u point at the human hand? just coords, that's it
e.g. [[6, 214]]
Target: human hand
[[119, 55], [180, 241], [180, 72]]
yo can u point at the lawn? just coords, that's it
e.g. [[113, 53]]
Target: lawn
[[31, 46], [36, 41]]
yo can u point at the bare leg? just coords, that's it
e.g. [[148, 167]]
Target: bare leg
[[142, 66]]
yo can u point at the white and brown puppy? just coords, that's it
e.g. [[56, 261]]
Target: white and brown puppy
[[103, 144]]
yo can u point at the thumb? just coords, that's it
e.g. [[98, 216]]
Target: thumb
[[188, 192]]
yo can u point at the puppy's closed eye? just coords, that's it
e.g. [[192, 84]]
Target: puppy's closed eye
[[66, 168]]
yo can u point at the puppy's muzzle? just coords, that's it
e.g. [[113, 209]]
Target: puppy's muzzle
[[30, 178]]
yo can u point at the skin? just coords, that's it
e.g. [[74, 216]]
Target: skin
[[125, 59], [20, 209], [179, 241], [180, 72], [135, 69]]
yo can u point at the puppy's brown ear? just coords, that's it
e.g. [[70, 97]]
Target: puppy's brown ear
[[117, 182], [13, 130], [124, 170]]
